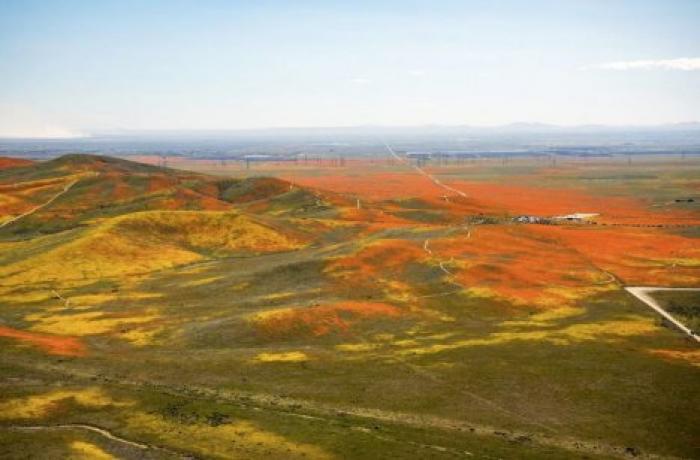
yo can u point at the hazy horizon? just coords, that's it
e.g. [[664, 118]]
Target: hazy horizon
[[524, 127]]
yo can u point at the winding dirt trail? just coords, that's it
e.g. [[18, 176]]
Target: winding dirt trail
[[96, 429], [41, 206], [80, 426], [441, 263]]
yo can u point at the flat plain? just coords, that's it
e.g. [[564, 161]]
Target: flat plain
[[348, 309]]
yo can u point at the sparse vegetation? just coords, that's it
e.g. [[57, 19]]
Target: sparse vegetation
[[683, 305]]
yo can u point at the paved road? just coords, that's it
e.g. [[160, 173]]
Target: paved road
[[643, 294]]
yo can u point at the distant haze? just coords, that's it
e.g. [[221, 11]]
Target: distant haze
[[513, 139], [78, 68]]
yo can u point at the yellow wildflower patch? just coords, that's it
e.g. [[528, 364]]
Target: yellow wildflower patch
[[201, 281], [604, 331], [239, 440], [547, 317], [287, 357], [84, 323], [39, 295], [141, 336], [357, 347], [37, 406], [81, 450], [146, 241]]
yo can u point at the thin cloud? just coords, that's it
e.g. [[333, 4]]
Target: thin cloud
[[361, 81], [417, 72], [651, 64]]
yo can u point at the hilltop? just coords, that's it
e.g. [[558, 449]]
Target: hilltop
[[95, 187], [7, 162], [98, 216]]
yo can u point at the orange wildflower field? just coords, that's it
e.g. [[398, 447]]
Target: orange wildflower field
[[52, 344], [320, 320]]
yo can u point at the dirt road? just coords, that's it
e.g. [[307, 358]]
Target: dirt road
[[435, 180], [101, 431], [41, 206], [77, 426], [643, 294]]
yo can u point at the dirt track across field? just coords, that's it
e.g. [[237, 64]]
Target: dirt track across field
[[643, 294], [41, 206], [434, 179]]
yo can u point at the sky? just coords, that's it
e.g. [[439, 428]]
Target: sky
[[71, 68]]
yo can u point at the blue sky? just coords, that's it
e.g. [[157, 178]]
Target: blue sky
[[72, 67]]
